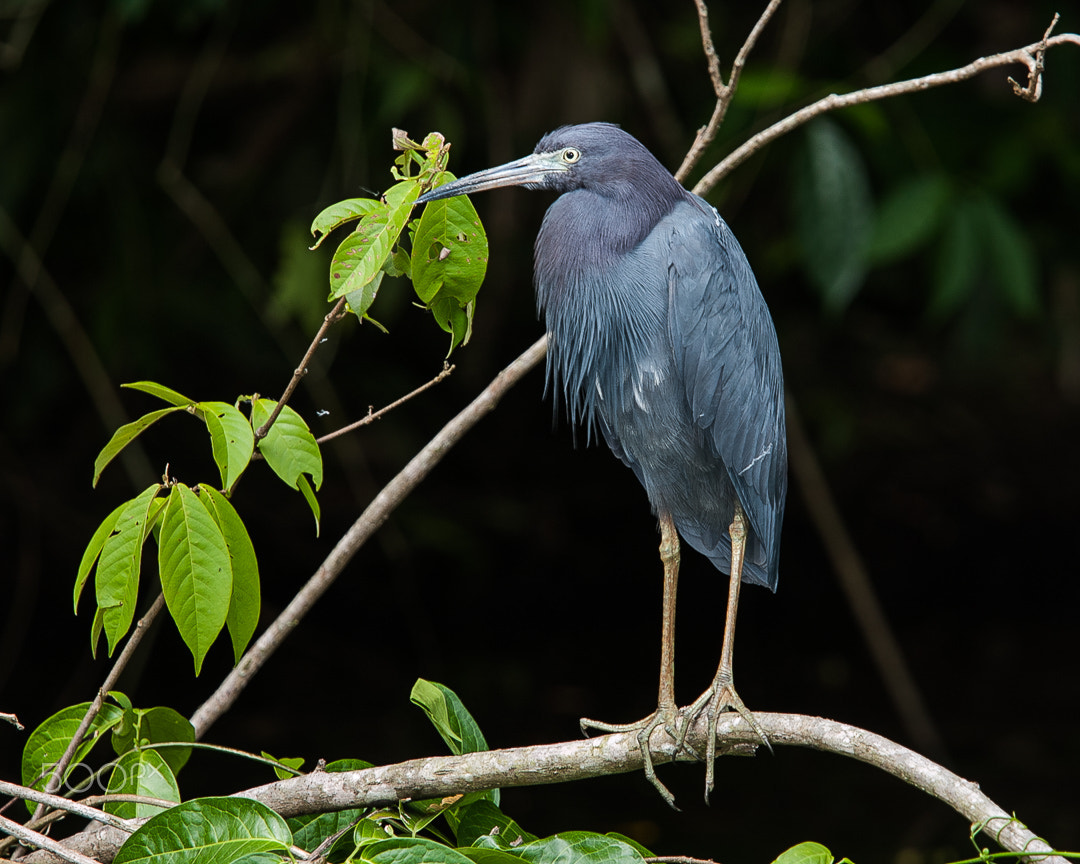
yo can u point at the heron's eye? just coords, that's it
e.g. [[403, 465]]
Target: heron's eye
[[570, 155]]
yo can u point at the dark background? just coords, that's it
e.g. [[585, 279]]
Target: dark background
[[523, 573]]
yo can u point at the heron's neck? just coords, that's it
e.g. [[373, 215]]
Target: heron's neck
[[603, 311]]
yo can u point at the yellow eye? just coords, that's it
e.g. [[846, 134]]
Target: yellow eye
[[570, 155]]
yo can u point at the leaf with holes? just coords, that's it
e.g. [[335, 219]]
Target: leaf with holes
[[340, 214], [289, 447], [232, 440], [361, 256]]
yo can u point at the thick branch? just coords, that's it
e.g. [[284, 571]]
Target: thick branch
[[437, 777], [1028, 56]]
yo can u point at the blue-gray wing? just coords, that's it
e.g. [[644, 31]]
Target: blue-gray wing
[[727, 355]]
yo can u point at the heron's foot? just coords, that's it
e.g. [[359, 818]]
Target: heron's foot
[[666, 718], [720, 697]]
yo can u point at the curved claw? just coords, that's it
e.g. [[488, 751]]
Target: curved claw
[[665, 718], [720, 697]]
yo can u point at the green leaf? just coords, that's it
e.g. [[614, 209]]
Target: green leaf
[[116, 581], [124, 436], [834, 212], [909, 217], [141, 772], [340, 214], [231, 438], [632, 843], [246, 600], [164, 393], [481, 818], [412, 850], [805, 853], [196, 572], [47, 743], [579, 847], [361, 256], [449, 716], [207, 830], [289, 447], [160, 725], [93, 549], [304, 486], [286, 767], [361, 292], [449, 260], [452, 721], [450, 250]]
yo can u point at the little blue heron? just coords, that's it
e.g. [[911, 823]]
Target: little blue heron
[[659, 337]]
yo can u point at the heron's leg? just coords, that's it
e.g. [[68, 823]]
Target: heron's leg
[[667, 712], [721, 695]]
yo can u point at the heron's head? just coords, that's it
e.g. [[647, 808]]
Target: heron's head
[[597, 156]]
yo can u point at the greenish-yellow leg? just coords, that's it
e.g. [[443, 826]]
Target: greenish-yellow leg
[[666, 715], [721, 695]]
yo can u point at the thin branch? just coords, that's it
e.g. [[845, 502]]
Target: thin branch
[[57, 802], [724, 92], [331, 318], [372, 416], [99, 699], [442, 776], [1028, 56], [13, 720], [32, 838], [370, 520], [1033, 90]]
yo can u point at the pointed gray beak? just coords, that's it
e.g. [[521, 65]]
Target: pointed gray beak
[[533, 172]]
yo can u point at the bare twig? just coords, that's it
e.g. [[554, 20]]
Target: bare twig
[[1033, 90], [13, 720], [372, 416], [370, 520], [1026, 56], [99, 699], [724, 92], [441, 776], [331, 318]]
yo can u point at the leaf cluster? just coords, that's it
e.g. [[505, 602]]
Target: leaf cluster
[[207, 565], [449, 249]]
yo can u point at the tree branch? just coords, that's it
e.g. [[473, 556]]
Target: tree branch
[[724, 92], [372, 416], [99, 699], [442, 776], [1028, 56], [369, 521]]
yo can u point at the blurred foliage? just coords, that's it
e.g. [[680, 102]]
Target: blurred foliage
[[161, 161]]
